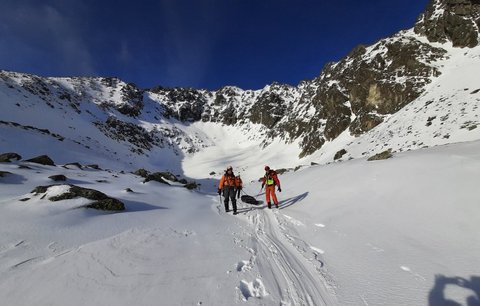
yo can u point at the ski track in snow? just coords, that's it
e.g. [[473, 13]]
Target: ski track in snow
[[288, 276]]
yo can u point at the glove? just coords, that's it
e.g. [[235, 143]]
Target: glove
[[279, 189], [263, 185], [219, 191]]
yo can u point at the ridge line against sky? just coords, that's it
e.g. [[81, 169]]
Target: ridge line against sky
[[193, 43]]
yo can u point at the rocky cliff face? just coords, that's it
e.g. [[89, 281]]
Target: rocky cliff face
[[353, 95], [457, 21]]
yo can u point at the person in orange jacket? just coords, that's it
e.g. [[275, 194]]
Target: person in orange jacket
[[270, 179], [239, 185], [228, 186]]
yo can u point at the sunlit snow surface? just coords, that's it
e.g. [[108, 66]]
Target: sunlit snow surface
[[347, 233]]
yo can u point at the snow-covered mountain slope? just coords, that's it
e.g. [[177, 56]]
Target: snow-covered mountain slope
[[359, 104], [121, 124], [401, 231], [84, 117], [90, 117], [448, 111], [97, 119]]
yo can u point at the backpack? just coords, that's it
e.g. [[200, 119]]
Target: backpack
[[271, 177]]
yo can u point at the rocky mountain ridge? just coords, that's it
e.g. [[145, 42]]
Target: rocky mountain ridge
[[355, 94]]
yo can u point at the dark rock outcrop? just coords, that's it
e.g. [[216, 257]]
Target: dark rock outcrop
[[160, 177], [340, 154], [141, 139], [141, 172], [191, 186], [7, 157], [100, 200], [380, 156], [109, 204], [191, 111], [31, 128], [42, 160], [133, 98], [131, 95], [157, 176], [457, 21], [58, 178], [169, 176], [4, 173]]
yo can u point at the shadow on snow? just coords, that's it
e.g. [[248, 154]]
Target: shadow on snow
[[291, 201], [437, 294], [133, 206]]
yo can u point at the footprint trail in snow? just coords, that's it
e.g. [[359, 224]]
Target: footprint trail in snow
[[286, 276]]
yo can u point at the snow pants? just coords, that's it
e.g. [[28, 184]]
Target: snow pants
[[270, 192], [239, 189], [229, 192]]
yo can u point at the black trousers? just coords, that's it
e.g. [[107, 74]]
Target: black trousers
[[229, 192]]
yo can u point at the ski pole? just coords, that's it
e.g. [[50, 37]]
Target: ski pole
[[261, 188]]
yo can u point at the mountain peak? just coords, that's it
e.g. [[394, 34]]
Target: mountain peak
[[457, 21]]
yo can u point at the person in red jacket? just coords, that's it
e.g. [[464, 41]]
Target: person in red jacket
[[270, 179], [228, 185]]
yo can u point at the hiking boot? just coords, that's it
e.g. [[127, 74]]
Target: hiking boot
[[269, 205], [227, 210], [235, 213]]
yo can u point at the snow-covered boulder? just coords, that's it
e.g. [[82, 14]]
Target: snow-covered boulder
[[100, 200]]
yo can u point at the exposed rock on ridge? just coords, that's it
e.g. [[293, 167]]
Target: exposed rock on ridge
[[353, 95], [457, 21]]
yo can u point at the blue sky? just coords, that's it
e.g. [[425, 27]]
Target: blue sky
[[193, 43]]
